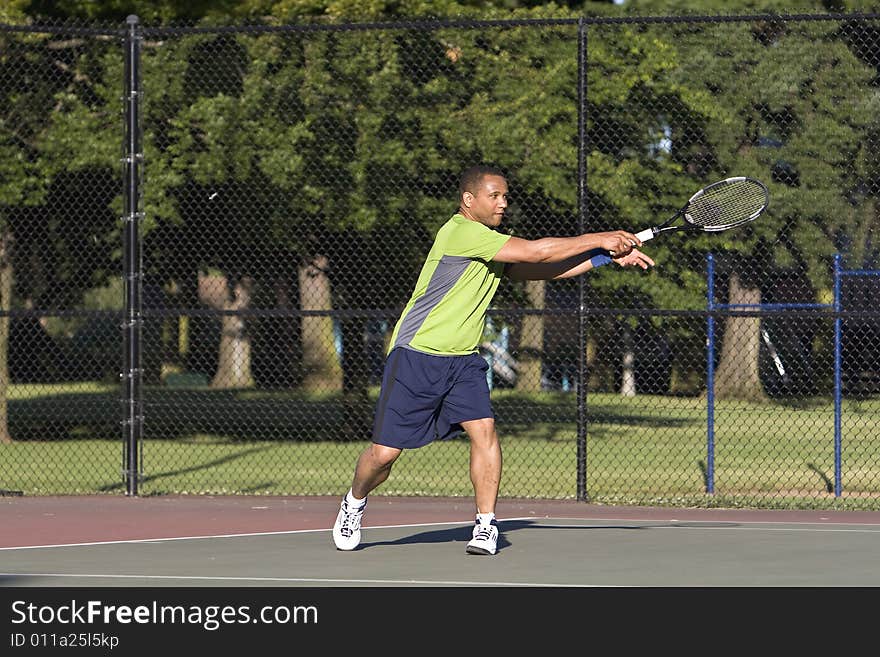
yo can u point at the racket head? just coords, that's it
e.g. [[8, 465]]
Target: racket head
[[727, 203]]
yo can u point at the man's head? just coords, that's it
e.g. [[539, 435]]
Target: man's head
[[482, 193]]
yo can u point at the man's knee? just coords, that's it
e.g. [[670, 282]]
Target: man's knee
[[482, 431], [382, 455]]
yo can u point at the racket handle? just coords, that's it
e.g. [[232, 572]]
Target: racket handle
[[646, 234]]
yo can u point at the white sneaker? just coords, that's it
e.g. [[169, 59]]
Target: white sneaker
[[347, 529], [485, 540]]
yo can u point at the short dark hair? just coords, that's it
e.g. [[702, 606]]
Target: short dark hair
[[472, 177]]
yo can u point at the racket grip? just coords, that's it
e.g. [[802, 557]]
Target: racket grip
[[643, 236], [646, 234]]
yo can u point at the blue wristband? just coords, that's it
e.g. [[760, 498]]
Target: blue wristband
[[599, 260]]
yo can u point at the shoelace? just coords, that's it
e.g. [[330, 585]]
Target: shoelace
[[484, 533], [351, 521]]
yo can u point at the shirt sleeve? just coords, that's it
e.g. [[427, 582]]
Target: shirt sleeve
[[472, 239]]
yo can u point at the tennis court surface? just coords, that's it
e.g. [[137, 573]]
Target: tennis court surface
[[201, 541]]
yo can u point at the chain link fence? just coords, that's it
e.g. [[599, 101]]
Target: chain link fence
[[207, 234]]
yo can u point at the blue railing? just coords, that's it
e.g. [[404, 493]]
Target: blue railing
[[835, 306]]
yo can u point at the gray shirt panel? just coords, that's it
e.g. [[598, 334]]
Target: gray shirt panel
[[445, 276]]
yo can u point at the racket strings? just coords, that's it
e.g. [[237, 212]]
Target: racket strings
[[727, 205]]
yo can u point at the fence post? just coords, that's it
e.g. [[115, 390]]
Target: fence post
[[839, 273], [710, 375], [837, 375], [581, 392], [132, 374]]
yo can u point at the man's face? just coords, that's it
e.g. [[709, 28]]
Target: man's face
[[488, 204]]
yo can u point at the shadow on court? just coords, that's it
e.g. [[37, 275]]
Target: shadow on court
[[507, 527]]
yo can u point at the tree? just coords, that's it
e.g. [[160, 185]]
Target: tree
[[807, 103], [45, 149]]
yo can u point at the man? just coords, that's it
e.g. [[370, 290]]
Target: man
[[434, 382]]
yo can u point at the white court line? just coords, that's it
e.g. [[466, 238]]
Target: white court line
[[715, 521], [596, 522], [299, 579], [196, 538]]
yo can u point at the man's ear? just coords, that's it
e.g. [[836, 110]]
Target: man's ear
[[467, 198]]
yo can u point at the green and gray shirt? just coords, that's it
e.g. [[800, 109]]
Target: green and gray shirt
[[446, 313]]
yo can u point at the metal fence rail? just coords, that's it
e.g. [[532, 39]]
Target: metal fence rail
[[207, 234]]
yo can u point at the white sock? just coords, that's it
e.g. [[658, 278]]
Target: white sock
[[485, 518], [353, 501]]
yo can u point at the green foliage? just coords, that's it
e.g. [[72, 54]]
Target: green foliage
[[13, 12], [118, 10], [350, 141], [60, 149], [718, 7]]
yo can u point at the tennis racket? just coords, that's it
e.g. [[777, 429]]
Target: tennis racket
[[717, 207]]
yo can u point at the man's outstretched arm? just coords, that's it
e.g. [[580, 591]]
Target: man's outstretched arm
[[574, 266], [558, 249]]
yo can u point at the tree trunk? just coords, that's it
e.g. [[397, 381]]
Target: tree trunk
[[234, 355], [322, 371], [628, 372], [5, 304], [531, 341], [737, 376], [594, 377]]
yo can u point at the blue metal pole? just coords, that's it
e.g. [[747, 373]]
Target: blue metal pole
[[710, 380], [837, 382]]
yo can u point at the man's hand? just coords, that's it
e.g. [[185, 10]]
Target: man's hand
[[618, 241], [633, 258]]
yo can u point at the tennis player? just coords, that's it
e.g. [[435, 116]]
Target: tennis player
[[434, 379]]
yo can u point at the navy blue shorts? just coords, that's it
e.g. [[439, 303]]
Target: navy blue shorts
[[426, 398]]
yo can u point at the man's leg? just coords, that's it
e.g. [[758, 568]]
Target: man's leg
[[485, 462], [373, 467], [486, 478]]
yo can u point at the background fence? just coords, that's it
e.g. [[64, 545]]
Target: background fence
[[207, 234]]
